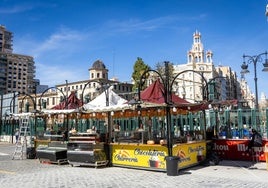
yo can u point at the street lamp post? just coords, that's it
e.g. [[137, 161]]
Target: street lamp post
[[254, 59]]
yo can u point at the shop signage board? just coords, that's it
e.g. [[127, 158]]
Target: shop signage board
[[153, 156], [236, 149]]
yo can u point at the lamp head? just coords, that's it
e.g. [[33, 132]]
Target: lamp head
[[244, 68], [265, 65]]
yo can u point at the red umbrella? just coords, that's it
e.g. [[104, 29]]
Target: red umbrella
[[72, 103], [155, 94]]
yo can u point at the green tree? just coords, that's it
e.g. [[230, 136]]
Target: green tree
[[138, 69], [160, 67]]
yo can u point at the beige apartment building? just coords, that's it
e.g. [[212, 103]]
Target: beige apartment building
[[6, 41], [17, 72]]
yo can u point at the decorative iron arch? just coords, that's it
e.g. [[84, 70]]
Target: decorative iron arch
[[13, 98], [103, 87], [203, 80], [26, 95], [40, 104]]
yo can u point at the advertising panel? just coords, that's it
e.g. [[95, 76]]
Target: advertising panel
[[153, 156], [139, 156], [236, 149]]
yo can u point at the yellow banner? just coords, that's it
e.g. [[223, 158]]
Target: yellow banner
[[190, 153], [153, 156]]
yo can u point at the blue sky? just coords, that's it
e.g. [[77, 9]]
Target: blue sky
[[65, 37]]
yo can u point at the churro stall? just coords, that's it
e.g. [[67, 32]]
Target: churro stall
[[138, 134]]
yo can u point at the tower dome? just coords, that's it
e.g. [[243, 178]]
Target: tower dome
[[97, 65], [98, 70]]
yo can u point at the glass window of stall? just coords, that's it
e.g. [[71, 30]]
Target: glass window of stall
[[188, 127]]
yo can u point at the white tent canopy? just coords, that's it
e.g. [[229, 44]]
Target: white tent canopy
[[99, 103], [67, 111]]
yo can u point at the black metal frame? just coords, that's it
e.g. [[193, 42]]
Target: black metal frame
[[254, 59]]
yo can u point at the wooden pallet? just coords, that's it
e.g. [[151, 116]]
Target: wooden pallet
[[96, 164]]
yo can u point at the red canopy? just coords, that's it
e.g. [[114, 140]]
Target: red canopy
[[72, 103], [155, 94]]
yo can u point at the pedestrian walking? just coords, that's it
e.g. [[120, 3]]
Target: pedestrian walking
[[17, 135], [255, 145]]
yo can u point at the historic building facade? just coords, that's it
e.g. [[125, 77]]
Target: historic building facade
[[87, 90], [221, 82], [199, 76]]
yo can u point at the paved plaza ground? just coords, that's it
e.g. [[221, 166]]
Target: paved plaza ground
[[30, 173]]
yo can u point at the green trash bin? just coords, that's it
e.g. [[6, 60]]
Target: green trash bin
[[172, 165]]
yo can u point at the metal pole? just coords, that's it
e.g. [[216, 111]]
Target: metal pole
[[66, 106], [1, 112], [66, 98], [109, 123], [35, 111], [167, 94], [256, 85]]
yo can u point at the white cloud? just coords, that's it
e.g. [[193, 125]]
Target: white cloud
[[23, 6], [52, 74], [63, 40], [134, 25], [15, 9]]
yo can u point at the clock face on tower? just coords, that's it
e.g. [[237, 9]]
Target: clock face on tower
[[201, 68]]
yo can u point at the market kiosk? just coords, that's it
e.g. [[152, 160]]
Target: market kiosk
[[138, 134], [146, 147], [138, 138]]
